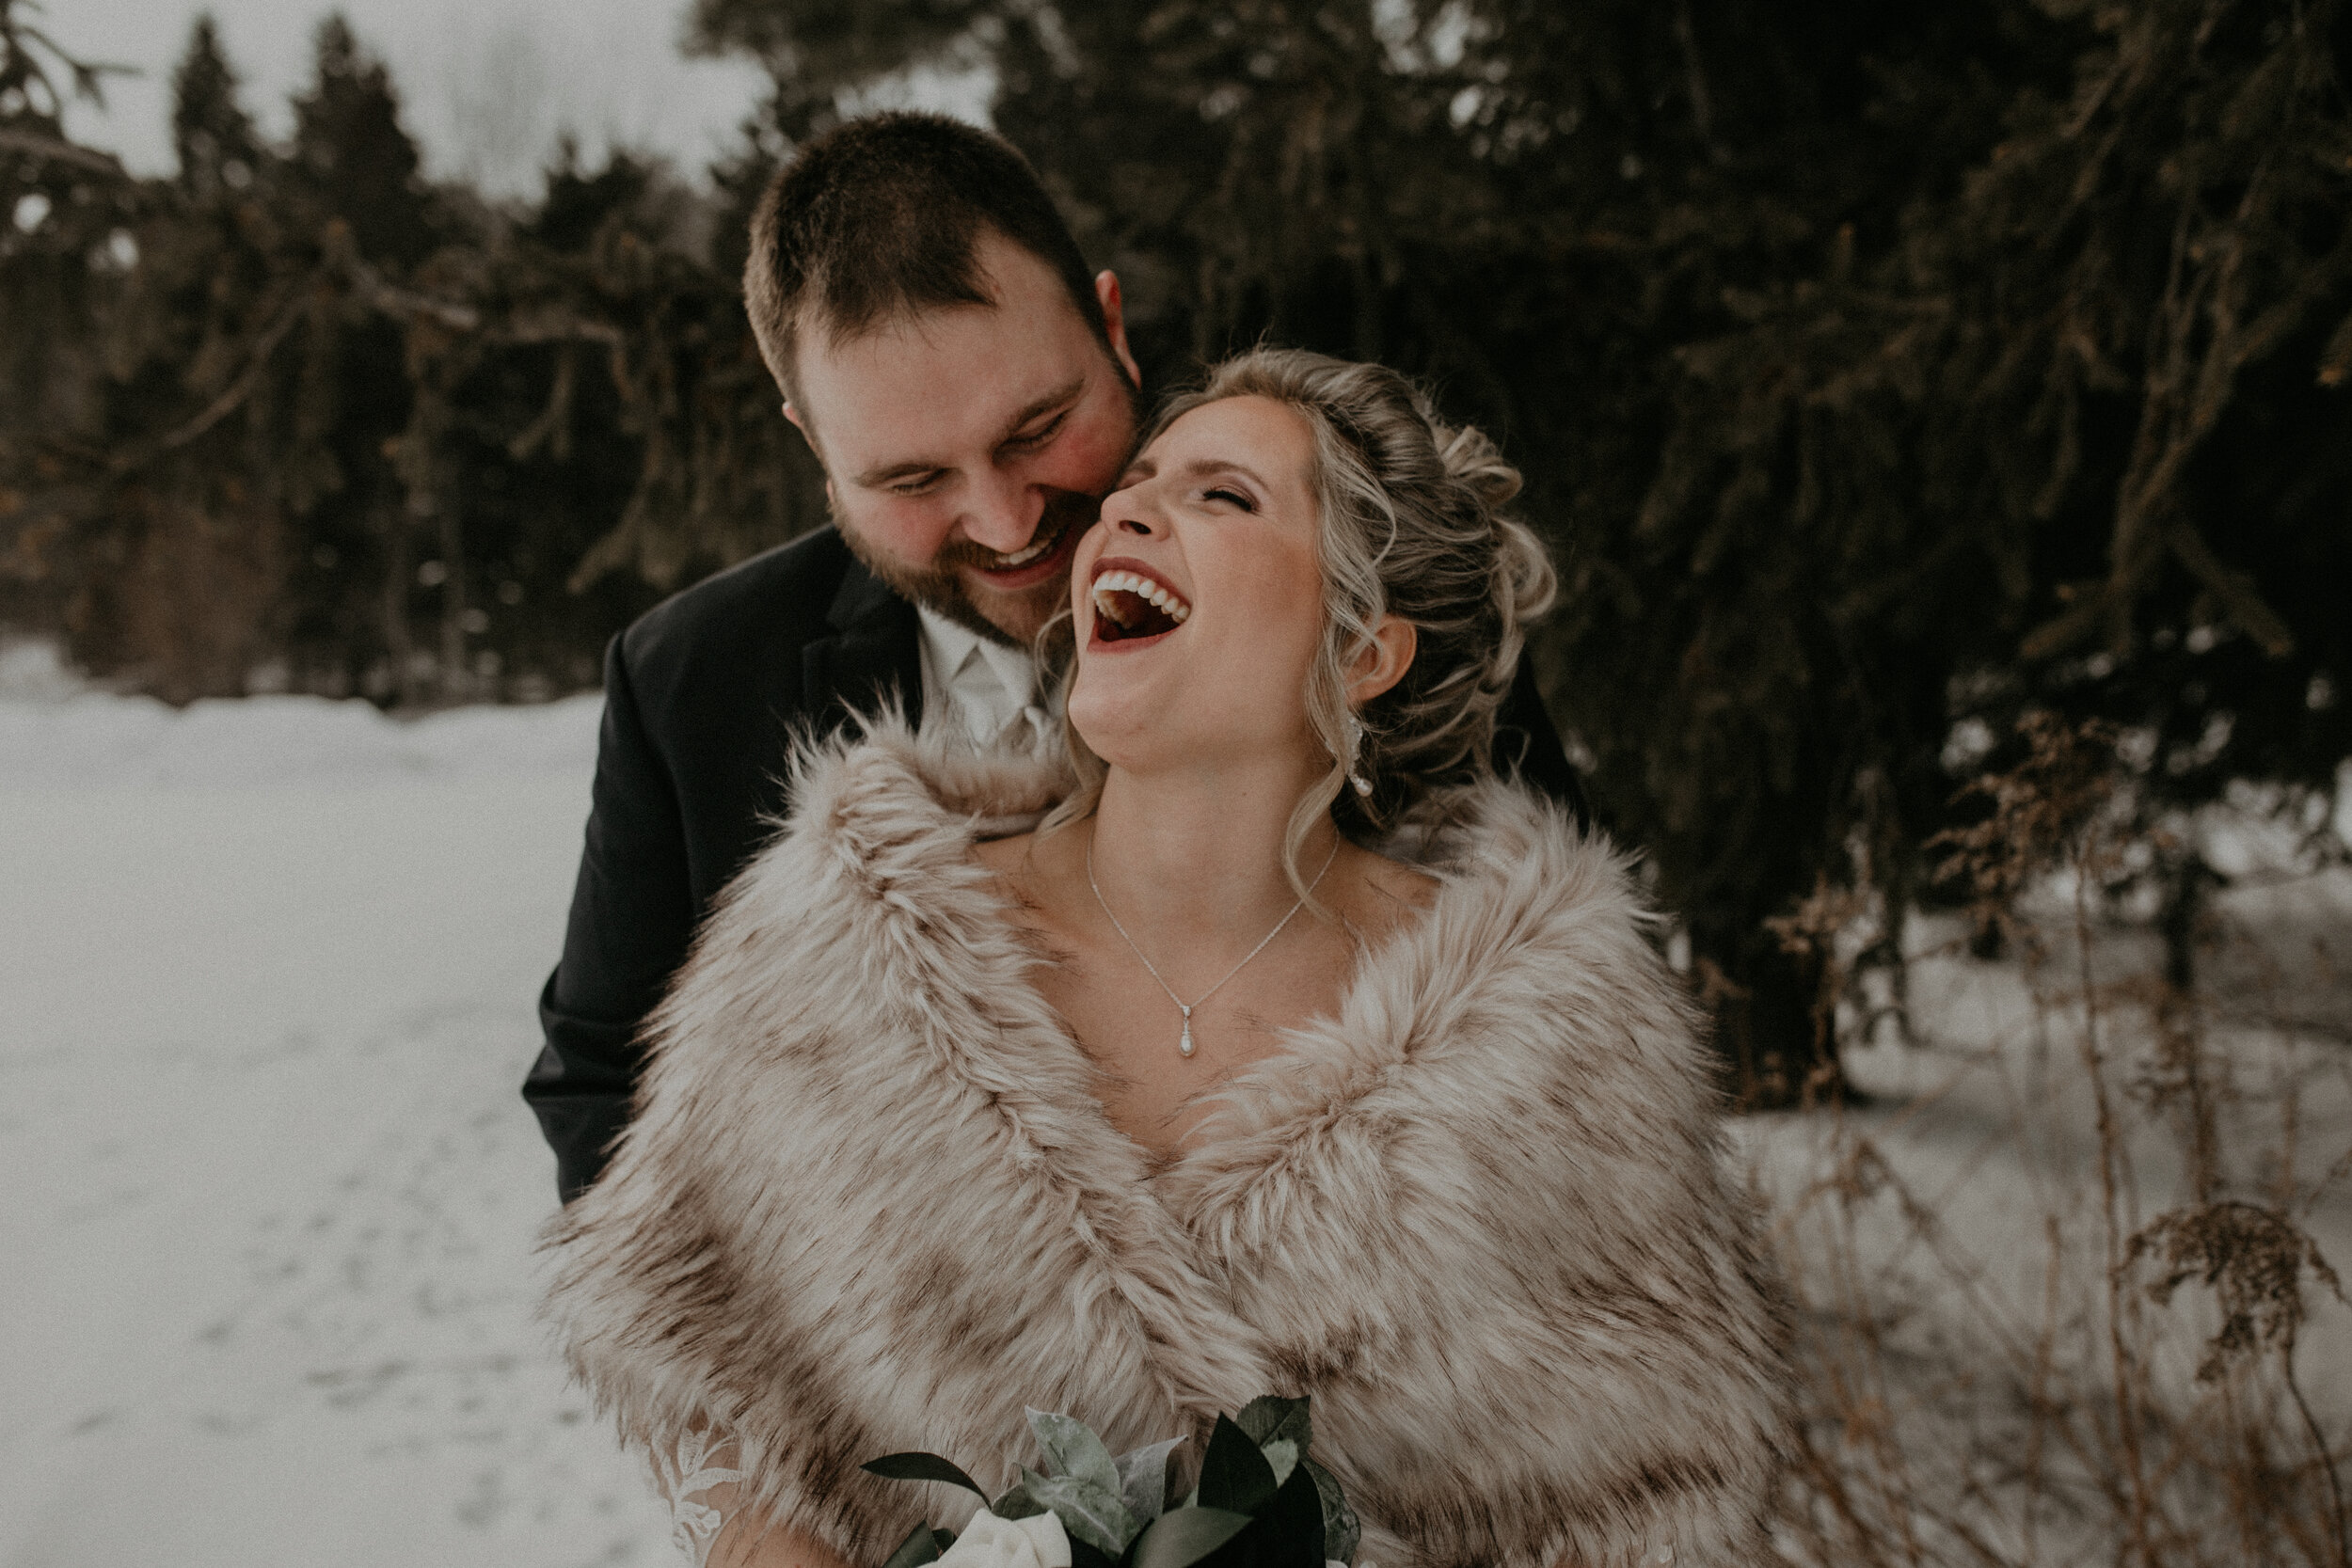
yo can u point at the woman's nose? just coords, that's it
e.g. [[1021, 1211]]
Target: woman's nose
[[1129, 511]]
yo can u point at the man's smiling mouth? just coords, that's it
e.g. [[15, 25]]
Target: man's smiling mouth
[[1129, 605], [1041, 545]]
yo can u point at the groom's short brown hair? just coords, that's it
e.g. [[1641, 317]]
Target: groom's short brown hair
[[877, 218]]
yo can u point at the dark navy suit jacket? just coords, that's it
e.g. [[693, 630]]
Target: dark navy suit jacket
[[702, 698]]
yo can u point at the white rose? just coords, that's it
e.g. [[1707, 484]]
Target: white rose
[[988, 1542]]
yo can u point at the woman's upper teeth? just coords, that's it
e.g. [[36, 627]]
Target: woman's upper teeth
[[1145, 589]]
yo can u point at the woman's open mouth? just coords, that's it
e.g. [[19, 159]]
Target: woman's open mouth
[[1130, 606]]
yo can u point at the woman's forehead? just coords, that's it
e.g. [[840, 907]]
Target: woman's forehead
[[1261, 434]]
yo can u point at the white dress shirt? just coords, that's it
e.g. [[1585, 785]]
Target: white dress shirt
[[985, 688]]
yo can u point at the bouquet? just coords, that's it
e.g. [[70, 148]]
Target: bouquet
[[1261, 1502]]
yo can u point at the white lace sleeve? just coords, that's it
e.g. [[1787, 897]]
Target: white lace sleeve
[[698, 1482]]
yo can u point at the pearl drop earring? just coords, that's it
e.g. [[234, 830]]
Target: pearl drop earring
[[1355, 750]]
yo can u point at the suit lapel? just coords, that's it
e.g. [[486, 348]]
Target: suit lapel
[[872, 659]]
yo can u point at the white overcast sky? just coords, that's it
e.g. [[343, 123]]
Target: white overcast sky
[[485, 86]]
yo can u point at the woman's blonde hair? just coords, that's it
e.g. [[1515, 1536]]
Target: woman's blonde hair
[[1410, 523]]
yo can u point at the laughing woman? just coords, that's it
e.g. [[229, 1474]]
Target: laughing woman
[[1270, 1043]]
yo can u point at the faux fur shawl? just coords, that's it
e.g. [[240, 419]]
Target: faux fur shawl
[[869, 1202]]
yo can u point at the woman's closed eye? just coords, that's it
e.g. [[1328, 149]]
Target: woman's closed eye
[[1231, 496]]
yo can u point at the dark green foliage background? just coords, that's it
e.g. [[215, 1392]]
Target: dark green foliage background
[[1880, 374]]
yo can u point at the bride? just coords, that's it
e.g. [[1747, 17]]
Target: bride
[[1267, 1044]]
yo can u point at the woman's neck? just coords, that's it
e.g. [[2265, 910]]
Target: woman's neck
[[1194, 856]]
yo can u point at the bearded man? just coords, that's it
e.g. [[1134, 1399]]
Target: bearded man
[[967, 385]]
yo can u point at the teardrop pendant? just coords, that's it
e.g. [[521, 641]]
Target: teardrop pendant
[[1184, 1046]]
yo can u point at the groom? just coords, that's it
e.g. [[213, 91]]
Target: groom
[[967, 385]]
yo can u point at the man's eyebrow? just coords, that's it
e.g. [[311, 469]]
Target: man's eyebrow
[[1068, 392]]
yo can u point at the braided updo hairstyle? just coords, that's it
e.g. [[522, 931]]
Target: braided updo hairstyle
[[1411, 524]]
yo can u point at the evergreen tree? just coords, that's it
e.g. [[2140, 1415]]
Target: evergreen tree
[[67, 213], [1821, 335], [212, 136], [1880, 374], [354, 157]]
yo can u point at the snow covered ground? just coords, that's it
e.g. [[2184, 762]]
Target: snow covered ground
[[266, 982], [266, 978]]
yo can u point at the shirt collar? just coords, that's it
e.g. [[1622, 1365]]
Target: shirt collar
[[952, 645]]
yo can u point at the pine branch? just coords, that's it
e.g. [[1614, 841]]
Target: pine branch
[[61, 151]]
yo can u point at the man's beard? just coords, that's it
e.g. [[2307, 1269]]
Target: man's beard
[[939, 587]]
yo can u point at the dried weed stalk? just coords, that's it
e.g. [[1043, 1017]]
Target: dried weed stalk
[[1953, 1420]]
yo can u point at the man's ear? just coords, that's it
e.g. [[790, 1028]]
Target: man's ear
[[809, 436], [1115, 323], [1382, 661]]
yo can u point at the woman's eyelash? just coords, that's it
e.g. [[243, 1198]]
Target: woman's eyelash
[[1235, 495]]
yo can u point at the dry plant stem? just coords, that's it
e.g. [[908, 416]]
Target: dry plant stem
[[2046, 1346], [1876, 1407], [2110, 1154], [2319, 1446]]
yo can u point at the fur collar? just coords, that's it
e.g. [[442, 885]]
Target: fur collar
[[870, 1202]]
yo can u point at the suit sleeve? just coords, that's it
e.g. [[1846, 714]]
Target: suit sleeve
[[1527, 745], [632, 917]]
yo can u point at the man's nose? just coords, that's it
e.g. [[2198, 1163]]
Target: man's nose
[[1004, 513]]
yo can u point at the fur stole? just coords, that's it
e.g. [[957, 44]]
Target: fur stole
[[869, 1202]]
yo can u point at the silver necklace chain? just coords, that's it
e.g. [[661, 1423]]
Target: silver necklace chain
[[1184, 1045]]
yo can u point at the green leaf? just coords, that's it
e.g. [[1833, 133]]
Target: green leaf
[[1090, 1512], [1343, 1532], [1281, 1457], [921, 1467], [1288, 1530], [1183, 1536], [920, 1546], [1269, 1418], [1073, 1449], [1016, 1503], [1234, 1474], [1143, 1479]]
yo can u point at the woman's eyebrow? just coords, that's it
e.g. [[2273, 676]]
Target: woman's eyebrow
[[1201, 467]]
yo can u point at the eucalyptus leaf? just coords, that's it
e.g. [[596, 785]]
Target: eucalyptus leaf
[[918, 1548], [1183, 1536], [921, 1467], [1143, 1479], [1016, 1504], [1073, 1449], [1090, 1512], [1269, 1418], [1234, 1474], [1343, 1532]]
